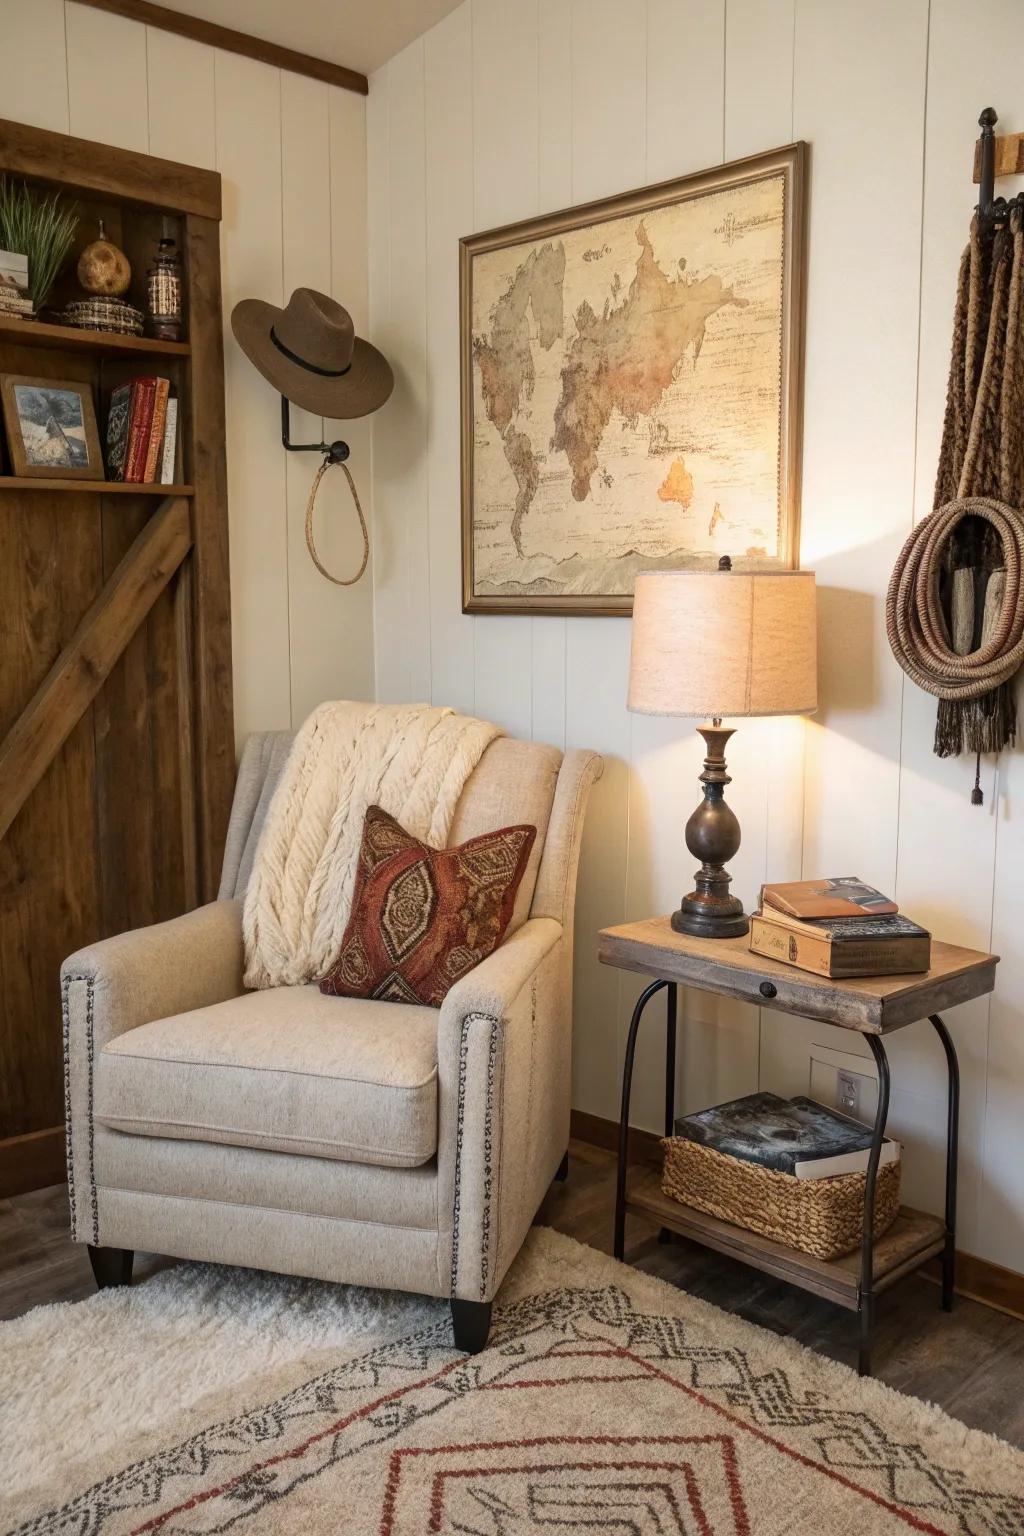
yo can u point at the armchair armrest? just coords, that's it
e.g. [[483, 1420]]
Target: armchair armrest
[[114, 986], [148, 973], [493, 986], [503, 1052]]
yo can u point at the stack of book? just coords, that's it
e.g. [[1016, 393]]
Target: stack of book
[[15, 301], [837, 927], [142, 433], [798, 1136], [789, 1169]]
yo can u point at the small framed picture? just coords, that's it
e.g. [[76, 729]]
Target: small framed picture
[[51, 428]]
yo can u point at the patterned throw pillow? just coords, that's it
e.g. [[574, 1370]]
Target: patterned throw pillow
[[422, 917]]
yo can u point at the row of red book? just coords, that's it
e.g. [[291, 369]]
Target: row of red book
[[142, 432]]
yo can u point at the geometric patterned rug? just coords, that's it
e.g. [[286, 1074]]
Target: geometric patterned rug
[[608, 1404]]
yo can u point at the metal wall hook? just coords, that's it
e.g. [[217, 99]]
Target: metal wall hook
[[336, 452], [992, 209]]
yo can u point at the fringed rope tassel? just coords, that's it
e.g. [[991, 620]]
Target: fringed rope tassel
[[985, 724]]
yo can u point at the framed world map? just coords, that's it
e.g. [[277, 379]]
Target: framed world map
[[631, 375]]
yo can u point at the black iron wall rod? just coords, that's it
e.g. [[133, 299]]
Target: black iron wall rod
[[992, 209], [337, 451]]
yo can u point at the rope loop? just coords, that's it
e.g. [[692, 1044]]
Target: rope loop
[[339, 581], [916, 625]]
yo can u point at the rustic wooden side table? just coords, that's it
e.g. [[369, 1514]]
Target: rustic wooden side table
[[874, 1006]]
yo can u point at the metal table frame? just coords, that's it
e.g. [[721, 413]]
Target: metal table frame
[[866, 1295]]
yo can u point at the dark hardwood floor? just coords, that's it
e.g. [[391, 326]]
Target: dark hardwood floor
[[971, 1362]]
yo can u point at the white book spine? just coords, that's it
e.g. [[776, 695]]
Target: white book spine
[[170, 443]]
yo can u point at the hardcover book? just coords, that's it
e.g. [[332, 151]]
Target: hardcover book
[[141, 419], [155, 444], [842, 947], [837, 896], [797, 1136], [117, 430], [170, 444]]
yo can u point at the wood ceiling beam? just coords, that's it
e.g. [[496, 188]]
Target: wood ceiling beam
[[87, 660], [233, 42]]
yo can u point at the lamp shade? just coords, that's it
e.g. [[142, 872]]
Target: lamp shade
[[709, 643]]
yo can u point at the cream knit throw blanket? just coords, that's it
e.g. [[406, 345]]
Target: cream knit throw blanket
[[412, 759]]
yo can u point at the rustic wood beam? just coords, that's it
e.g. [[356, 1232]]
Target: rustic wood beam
[[83, 666], [233, 42]]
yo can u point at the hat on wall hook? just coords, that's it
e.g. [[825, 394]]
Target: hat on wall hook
[[309, 351]]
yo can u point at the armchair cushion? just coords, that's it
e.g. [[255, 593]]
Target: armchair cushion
[[286, 1070]]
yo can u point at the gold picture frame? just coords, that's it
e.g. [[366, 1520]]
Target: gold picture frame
[[579, 383], [51, 428]]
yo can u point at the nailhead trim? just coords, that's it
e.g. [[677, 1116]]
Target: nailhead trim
[[65, 1013], [485, 1232], [459, 1127], [90, 1050]]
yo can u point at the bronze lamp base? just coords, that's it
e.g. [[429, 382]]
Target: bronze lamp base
[[713, 836]]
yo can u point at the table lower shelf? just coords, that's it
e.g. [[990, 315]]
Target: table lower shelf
[[913, 1237]]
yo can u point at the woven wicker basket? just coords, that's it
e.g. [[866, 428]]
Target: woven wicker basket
[[824, 1217]]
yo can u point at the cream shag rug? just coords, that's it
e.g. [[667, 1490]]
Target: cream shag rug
[[607, 1402]]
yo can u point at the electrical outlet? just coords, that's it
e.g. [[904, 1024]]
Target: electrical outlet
[[849, 1086]]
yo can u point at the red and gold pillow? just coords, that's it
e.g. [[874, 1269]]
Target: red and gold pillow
[[422, 917]]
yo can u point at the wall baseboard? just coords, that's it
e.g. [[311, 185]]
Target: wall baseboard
[[977, 1279], [32, 1162]]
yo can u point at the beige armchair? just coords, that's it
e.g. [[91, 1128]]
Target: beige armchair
[[366, 1142]]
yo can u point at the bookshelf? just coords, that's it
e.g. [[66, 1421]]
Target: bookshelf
[[116, 731]]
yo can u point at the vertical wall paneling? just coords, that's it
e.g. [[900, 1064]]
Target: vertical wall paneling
[[682, 133], [378, 238], [249, 159], [348, 639], [306, 263], [596, 667], [554, 190], [505, 188], [758, 75], [107, 75], [182, 99], [448, 100], [609, 131], [940, 831], [683, 127], [861, 366], [323, 191], [766, 756], [33, 72], [402, 613]]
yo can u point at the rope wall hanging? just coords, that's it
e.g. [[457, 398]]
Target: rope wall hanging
[[955, 605], [339, 581]]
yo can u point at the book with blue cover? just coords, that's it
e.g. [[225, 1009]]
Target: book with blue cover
[[797, 1136]]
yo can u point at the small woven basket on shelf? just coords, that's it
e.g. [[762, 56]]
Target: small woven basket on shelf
[[823, 1217]]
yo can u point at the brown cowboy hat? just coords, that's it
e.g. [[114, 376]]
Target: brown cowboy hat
[[310, 352]]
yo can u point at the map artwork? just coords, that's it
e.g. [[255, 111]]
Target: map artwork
[[630, 399]]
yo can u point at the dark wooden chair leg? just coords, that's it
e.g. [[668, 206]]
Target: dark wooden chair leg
[[111, 1266], [562, 1172], [471, 1323]]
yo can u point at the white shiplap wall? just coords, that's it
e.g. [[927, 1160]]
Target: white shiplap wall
[[292, 154], [512, 107]]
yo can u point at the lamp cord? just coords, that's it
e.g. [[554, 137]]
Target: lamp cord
[[339, 581]]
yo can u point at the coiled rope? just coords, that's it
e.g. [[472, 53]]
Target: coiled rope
[[339, 581], [954, 608]]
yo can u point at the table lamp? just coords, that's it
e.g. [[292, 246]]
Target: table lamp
[[710, 644]]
